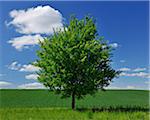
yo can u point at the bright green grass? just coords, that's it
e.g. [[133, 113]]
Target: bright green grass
[[67, 114], [46, 99], [45, 105]]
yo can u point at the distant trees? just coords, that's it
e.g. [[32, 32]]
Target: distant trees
[[75, 61]]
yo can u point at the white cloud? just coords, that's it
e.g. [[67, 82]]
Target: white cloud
[[114, 45], [139, 74], [113, 87], [31, 77], [133, 70], [41, 19], [25, 68], [29, 68], [124, 69], [139, 69], [130, 87], [34, 85], [22, 68], [125, 87], [14, 66], [25, 41], [4, 84]]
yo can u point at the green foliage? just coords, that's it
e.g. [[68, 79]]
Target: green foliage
[[75, 60]]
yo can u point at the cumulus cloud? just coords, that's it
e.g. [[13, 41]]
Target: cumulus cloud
[[40, 19], [14, 66], [23, 68], [25, 41], [34, 85], [138, 74], [114, 45], [29, 68], [4, 84], [124, 69], [139, 69], [31, 77]]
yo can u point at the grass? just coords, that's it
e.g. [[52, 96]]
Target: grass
[[44, 98], [45, 105], [67, 114]]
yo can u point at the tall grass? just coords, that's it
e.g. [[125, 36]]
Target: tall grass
[[67, 114]]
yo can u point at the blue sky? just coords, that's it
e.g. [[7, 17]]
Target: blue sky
[[124, 24]]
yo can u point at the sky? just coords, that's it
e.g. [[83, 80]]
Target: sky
[[124, 24]]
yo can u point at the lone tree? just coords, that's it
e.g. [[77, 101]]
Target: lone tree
[[75, 61]]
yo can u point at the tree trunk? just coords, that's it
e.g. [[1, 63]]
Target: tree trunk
[[73, 101]]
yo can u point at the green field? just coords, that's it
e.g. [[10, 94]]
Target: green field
[[45, 98], [67, 114], [45, 105]]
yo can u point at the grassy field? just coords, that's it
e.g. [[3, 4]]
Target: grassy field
[[66, 114], [45, 105], [44, 98]]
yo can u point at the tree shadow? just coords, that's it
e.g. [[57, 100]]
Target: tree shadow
[[115, 109]]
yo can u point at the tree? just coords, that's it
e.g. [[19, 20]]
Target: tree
[[75, 61]]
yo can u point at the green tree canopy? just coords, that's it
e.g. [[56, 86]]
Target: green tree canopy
[[75, 61]]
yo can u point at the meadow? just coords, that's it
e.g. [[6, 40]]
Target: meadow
[[67, 114], [45, 105]]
